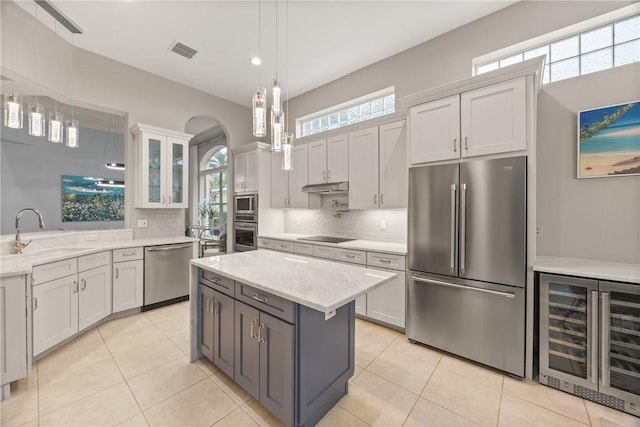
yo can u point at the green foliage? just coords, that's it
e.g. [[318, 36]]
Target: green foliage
[[591, 129]]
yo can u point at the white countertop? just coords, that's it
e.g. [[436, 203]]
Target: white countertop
[[18, 264], [314, 283], [604, 270], [363, 245]]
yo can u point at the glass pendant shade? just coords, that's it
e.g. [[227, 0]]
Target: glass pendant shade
[[72, 134], [56, 131], [276, 105], [287, 148], [13, 111], [115, 166], [277, 129], [37, 121], [260, 113]]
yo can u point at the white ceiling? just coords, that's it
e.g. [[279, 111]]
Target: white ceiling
[[327, 39]]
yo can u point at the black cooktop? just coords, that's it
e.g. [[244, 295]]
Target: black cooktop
[[325, 239]]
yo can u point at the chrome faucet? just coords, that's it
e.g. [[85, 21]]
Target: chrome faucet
[[18, 246]]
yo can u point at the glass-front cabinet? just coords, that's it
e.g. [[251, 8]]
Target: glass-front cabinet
[[162, 177]]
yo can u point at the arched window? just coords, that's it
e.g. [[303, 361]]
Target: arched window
[[213, 185]]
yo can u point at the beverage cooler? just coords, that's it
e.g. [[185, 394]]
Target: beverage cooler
[[590, 339]]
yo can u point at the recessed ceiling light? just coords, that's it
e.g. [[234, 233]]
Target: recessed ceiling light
[[256, 61]]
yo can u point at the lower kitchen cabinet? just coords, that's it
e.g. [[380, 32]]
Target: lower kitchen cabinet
[[386, 303], [216, 337], [94, 296], [128, 279], [13, 331]]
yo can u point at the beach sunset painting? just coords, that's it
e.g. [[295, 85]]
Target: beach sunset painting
[[609, 141]]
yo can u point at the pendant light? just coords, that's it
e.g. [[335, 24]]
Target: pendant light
[[37, 125], [287, 137], [114, 165], [277, 115], [56, 124], [259, 100], [13, 102], [73, 132]]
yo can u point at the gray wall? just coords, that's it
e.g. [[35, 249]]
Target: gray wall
[[596, 218]]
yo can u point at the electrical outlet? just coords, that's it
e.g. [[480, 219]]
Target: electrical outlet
[[298, 221], [539, 233], [383, 224], [91, 237], [142, 223]]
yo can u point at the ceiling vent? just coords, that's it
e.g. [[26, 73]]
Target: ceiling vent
[[183, 50]]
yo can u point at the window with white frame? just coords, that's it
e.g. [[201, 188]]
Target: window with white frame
[[583, 48], [213, 185], [354, 111]]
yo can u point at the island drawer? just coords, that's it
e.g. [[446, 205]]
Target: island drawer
[[394, 262], [303, 249], [283, 246], [217, 282], [54, 270], [265, 301], [87, 262], [352, 256], [324, 252], [129, 254]]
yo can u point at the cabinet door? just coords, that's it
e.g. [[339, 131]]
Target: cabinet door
[[361, 305], [435, 131], [317, 155], [55, 317], [239, 171], [279, 182], [206, 321], [153, 174], [298, 178], [494, 119], [387, 302], [13, 329], [94, 298], [394, 172], [363, 169], [128, 285], [276, 339], [223, 349], [177, 173], [338, 158], [247, 349], [251, 172]]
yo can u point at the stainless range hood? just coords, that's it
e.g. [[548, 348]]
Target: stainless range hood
[[329, 188]]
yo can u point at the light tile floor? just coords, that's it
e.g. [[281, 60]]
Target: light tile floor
[[134, 371]]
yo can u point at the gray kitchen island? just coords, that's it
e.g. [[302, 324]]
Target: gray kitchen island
[[281, 326]]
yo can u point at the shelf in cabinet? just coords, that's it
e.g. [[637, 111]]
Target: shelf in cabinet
[[568, 356], [567, 332]]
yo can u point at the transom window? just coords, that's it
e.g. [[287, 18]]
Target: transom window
[[213, 185], [597, 48], [357, 110]]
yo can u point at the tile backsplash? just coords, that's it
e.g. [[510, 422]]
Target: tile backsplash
[[161, 223], [357, 224]]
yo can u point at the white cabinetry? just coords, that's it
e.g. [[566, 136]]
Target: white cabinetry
[[245, 170], [13, 331], [378, 167], [128, 279], [328, 160], [67, 301], [162, 159], [286, 187], [487, 120]]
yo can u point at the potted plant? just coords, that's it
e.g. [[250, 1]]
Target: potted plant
[[208, 211]]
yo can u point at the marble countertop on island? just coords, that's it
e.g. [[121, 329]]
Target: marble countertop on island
[[363, 245], [603, 270], [318, 284]]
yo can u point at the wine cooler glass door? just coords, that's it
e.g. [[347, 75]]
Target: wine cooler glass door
[[569, 328], [620, 340]]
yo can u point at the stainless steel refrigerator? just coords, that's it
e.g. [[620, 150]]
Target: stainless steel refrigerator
[[467, 259]]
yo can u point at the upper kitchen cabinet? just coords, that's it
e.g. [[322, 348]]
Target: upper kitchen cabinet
[[483, 115], [286, 186], [378, 167], [162, 162], [246, 167], [329, 159]]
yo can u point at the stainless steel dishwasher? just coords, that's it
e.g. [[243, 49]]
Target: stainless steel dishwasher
[[166, 274]]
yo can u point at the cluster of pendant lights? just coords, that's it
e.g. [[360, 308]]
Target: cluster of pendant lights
[[59, 131], [281, 139]]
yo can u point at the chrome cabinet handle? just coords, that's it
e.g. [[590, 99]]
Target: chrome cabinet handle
[[117, 273], [452, 254], [283, 246], [259, 298], [463, 229], [381, 199], [328, 175], [168, 248], [208, 305], [75, 286], [324, 175], [163, 200], [128, 253], [604, 341], [375, 199], [386, 261], [350, 256], [594, 336], [466, 142], [84, 284], [213, 306], [455, 145], [34, 303], [169, 197], [253, 325], [261, 339], [469, 288]]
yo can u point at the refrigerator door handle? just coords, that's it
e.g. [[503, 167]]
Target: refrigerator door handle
[[604, 343], [594, 336], [468, 288], [463, 228], [452, 263]]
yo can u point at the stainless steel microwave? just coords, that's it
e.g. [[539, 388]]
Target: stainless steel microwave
[[245, 205]]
